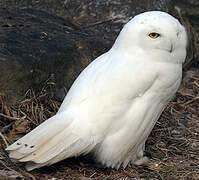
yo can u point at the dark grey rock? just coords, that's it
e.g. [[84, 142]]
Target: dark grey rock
[[42, 40]]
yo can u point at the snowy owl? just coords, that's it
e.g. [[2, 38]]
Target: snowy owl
[[115, 102]]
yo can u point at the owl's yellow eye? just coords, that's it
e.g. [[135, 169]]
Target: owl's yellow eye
[[154, 35]]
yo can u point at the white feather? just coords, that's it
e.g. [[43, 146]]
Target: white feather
[[115, 102]]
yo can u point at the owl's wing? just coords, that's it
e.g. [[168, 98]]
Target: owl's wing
[[106, 89], [71, 131]]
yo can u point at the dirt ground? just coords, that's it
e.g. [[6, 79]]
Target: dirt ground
[[173, 143]]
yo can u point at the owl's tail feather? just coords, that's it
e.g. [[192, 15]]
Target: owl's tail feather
[[49, 143]]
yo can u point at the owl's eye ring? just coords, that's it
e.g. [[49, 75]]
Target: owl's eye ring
[[154, 35]]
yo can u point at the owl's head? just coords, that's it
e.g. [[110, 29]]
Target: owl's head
[[156, 33]]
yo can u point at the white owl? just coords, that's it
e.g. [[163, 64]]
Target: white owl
[[115, 102]]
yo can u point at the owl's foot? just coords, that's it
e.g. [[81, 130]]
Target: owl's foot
[[143, 159]]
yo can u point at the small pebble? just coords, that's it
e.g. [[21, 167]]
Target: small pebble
[[176, 133], [195, 145], [183, 123]]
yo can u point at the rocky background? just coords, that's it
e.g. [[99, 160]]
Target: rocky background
[[45, 44]]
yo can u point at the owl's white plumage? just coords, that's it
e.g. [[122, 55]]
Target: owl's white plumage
[[113, 105]]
